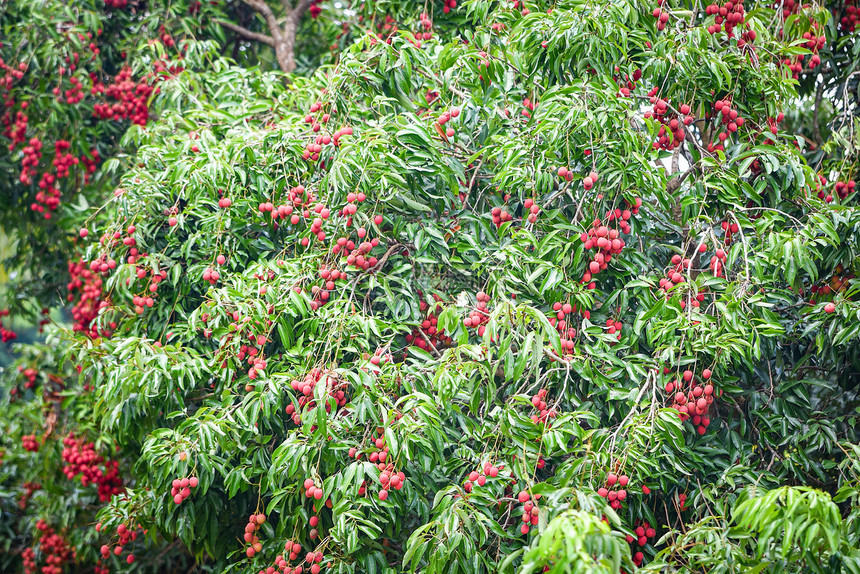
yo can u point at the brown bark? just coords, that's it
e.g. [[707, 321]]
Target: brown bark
[[281, 37], [248, 34], [285, 48]]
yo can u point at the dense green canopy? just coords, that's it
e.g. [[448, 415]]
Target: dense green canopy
[[506, 287]]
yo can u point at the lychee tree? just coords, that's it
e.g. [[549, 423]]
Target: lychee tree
[[550, 291], [72, 81]]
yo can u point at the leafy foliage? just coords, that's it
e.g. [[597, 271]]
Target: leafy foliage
[[516, 297]]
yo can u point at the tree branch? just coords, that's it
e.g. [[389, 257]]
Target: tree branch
[[675, 183], [281, 38], [245, 33], [268, 15], [385, 257], [299, 10], [676, 157]]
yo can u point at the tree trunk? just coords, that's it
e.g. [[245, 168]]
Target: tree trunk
[[283, 40], [284, 46]]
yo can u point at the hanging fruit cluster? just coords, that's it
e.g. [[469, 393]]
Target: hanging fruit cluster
[[379, 451], [844, 189], [561, 321], [380, 357], [608, 242], [718, 263], [531, 512], [85, 290], [56, 551], [317, 117], [626, 81], [850, 18], [333, 387], [671, 134], [674, 275], [613, 327], [424, 30], [729, 229], [29, 443], [17, 131], [11, 73], [479, 316], [661, 16], [691, 398], [444, 118], [82, 459], [533, 210], [500, 215], [124, 537], [292, 550], [529, 107], [132, 100], [357, 254], [643, 532], [255, 521], [479, 478], [181, 488], [812, 40], [30, 375], [428, 336], [6, 335], [544, 413], [615, 489], [728, 117], [727, 16], [388, 478]]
